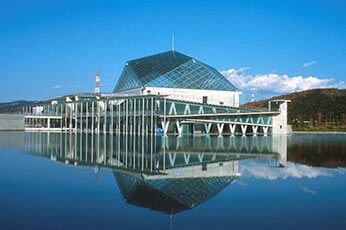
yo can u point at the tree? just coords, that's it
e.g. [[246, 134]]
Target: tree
[[319, 116], [300, 117]]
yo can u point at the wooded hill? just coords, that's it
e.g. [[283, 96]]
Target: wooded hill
[[14, 106], [318, 105]]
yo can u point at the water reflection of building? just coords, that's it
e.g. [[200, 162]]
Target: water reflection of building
[[11, 139], [168, 174], [172, 194]]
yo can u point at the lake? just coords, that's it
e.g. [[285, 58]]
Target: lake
[[84, 181]]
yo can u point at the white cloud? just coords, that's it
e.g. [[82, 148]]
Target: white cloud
[[276, 83], [260, 170], [57, 87], [243, 69], [308, 190], [306, 65], [241, 183]]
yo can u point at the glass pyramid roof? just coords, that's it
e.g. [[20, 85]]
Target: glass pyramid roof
[[169, 195], [171, 70]]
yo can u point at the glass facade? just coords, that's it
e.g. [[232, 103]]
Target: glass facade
[[171, 70], [169, 195]]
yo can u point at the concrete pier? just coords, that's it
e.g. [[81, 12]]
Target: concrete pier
[[12, 122]]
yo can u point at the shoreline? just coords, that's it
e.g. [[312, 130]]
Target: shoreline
[[317, 132]]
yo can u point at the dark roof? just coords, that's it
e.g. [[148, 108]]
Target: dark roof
[[158, 64], [172, 70], [169, 195]]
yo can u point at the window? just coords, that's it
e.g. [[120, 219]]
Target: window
[[221, 102], [205, 100], [204, 167]]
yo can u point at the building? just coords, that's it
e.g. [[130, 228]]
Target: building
[[179, 77], [167, 93]]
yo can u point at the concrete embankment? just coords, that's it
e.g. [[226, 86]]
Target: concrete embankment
[[11, 122]]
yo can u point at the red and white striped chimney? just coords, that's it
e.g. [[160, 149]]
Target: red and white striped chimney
[[97, 82]]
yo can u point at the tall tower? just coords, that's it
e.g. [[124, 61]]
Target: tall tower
[[97, 82], [252, 96]]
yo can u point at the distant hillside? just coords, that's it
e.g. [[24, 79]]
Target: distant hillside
[[324, 105], [318, 152], [14, 106], [322, 158]]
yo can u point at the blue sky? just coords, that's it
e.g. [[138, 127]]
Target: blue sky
[[51, 48]]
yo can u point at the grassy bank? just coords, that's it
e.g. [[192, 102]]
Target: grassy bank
[[319, 127]]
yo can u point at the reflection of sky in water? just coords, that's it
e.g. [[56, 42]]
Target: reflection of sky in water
[[39, 192], [261, 170]]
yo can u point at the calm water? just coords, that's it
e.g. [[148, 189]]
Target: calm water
[[62, 181]]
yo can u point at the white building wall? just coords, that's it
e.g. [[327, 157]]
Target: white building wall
[[131, 92], [280, 146], [215, 97], [226, 169], [280, 120]]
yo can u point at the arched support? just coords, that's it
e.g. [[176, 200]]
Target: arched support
[[220, 128], [265, 130], [186, 158], [201, 111], [165, 140], [172, 110], [220, 144], [208, 142], [243, 129], [254, 130], [172, 158], [177, 145], [165, 127], [207, 128], [232, 129], [187, 109], [200, 157], [179, 128]]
